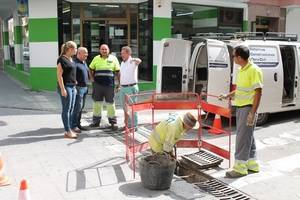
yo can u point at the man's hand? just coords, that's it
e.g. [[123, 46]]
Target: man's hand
[[222, 96], [251, 119], [117, 88]]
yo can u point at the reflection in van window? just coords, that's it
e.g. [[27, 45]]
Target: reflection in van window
[[217, 54]]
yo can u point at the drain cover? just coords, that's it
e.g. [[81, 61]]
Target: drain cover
[[203, 159], [221, 190]]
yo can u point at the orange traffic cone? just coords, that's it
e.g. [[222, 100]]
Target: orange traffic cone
[[24, 192], [4, 180], [217, 126]]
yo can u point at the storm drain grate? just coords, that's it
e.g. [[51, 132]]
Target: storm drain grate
[[203, 159], [221, 190]]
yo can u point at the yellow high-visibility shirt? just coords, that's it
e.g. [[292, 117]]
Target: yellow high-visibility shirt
[[248, 79], [105, 69], [166, 134]]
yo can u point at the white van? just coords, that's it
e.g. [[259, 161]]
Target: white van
[[207, 66]]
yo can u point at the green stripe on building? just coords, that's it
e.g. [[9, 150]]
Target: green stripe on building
[[245, 26], [161, 28], [206, 14], [19, 67], [43, 78], [18, 35], [43, 30], [5, 38]]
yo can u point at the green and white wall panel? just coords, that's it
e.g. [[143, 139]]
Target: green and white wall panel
[[162, 21], [43, 44]]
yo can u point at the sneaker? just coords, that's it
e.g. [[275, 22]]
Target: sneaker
[[76, 130], [70, 135], [82, 128], [234, 174]]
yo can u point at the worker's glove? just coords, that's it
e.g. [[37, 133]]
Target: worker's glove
[[251, 119], [222, 96]]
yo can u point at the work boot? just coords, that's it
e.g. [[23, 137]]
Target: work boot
[[252, 166], [239, 169], [234, 174], [94, 124], [114, 127]]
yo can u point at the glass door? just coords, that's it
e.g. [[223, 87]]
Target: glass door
[[111, 32], [117, 36]]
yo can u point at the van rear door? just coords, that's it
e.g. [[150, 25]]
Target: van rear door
[[172, 71], [219, 70]]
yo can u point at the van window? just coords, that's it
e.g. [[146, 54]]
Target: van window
[[264, 56], [217, 57]]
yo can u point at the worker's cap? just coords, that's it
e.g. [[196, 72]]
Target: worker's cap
[[189, 120]]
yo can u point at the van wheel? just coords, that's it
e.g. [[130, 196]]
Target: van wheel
[[262, 119]]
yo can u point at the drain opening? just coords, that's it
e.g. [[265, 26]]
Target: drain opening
[[221, 190], [191, 168]]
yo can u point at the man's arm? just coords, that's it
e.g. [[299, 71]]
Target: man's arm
[[137, 60], [256, 100], [91, 75]]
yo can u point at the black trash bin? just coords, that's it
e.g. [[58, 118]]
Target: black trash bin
[[157, 171]]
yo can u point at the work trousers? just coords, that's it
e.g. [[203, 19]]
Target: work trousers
[[245, 147]]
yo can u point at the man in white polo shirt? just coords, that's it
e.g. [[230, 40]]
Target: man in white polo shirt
[[129, 79]]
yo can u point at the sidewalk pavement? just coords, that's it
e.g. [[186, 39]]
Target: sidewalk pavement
[[91, 167]]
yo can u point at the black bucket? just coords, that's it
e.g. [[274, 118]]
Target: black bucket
[[157, 171]]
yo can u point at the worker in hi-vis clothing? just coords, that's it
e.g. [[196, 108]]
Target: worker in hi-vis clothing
[[249, 83], [103, 70], [169, 131]]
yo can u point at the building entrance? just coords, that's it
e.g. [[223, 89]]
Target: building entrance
[[111, 32]]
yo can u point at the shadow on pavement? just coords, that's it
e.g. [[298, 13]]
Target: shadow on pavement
[[26, 137], [106, 172]]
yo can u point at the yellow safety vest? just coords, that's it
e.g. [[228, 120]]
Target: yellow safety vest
[[105, 69], [166, 134], [248, 79]]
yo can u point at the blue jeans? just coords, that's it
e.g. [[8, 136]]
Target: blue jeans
[[67, 106], [79, 105]]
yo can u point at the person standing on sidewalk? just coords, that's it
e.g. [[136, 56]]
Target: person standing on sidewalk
[[128, 79], [82, 77], [66, 78], [247, 97], [103, 70]]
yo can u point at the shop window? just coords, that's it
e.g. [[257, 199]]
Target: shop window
[[64, 22], [92, 24], [189, 20], [11, 41], [95, 10]]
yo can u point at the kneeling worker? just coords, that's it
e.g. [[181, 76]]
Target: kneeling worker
[[168, 132]]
